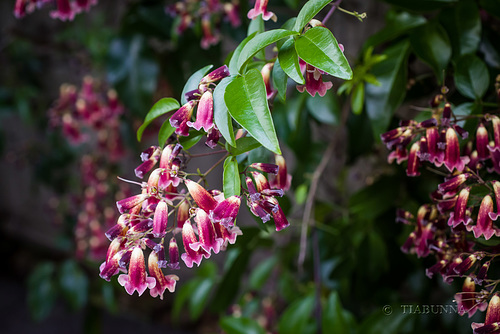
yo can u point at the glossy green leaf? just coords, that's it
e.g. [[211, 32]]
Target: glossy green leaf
[[333, 316], [257, 25], [259, 42], [289, 61], [324, 109], [261, 273], [241, 325], [358, 98], [191, 140], [160, 108], [165, 132], [42, 290], [280, 80], [431, 44], [308, 12], [74, 284], [233, 63], [243, 145], [231, 177], [194, 81], [319, 48], [199, 297], [246, 101], [463, 25], [296, 316], [222, 118], [471, 76], [382, 100]]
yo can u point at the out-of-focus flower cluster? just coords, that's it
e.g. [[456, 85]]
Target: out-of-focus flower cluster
[[459, 226], [65, 9], [171, 207], [209, 14], [89, 119]]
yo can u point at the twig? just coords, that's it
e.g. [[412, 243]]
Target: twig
[[330, 12]]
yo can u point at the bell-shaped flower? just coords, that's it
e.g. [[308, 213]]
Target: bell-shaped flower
[[266, 75], [266, 168], [205, 113], [162, 282], [64, 11], [466, 300], [110, 267], [180, 118], [413, 160], [212, 137], [314, 82], [209, 37], [160, 220], [282, 180], [492, 322], [173, 254], [208, 237], [150, 158], [436, 156], [459, 216], [399, 155], [452, 158], [188, 238], [227, 235], [482, 273], [226, 211], [137, 279], [484, 226], [201, 196], [452, 184], [482, 142], [280, 220], [130, 202], [261, 8], [216, 75]]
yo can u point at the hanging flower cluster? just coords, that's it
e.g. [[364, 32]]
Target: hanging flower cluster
[[89, 119], [209, 14], [459, 226], [173, 208], [65, 9]]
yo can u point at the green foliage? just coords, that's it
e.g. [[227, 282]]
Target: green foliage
[[160, 108], [231, 177]]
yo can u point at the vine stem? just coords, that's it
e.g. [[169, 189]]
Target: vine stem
[[330, 12]]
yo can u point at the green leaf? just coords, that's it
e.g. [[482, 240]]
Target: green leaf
[[431, 44], [193, 82], [279, 80], [256, 25], [296, 317], [308, 12], [246, 101], [471, 76], [161, 107], [231, 177], [319, 48], [42, 290], [241, 325], [324, 109], [191, 140], [74, 284], [261, 273], [289, 61], [165, 132], [463, 25], [222, 118], [199, 297], [243, 145], [358, 98], [333, 320], [233, 63], [259, 42], [382, 100]]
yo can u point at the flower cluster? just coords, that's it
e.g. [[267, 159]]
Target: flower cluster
[[458, 225], [65, 9], [208, 13], [204, 219], [89, 118]]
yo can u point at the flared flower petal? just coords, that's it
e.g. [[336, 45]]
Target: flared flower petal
[[206, 231], [180, 118], [64, 11], [137, 278], [130, 202], [189, 237], [492, 322], [282, 180], [314, 82], [205, 113], [148, 163], [452, 159], [261, 8], [226, 211], [466, 300], [484, 226], [280, 220], [162, 282], [459, 216], [201, 196]]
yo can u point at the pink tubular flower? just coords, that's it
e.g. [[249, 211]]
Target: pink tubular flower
[[482, 142], [173, 254], [180, 118], [484, 224], [452, 159], [459, 216], [130, 202], [162, 282], [137, 278], [216, 75], [209, 38], [208, 238], [189, 237], [282, 180], [261, 8], [228, 236], [205, 113], [150, 158], [64, 11], [160, 220], [413, 161], [201, 196], [466, 300], [226, 211], [266, 75], [492, 322], [314, 82]]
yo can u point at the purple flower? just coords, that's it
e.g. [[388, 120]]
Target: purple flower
[[205, 113], [492, 322], [216, 75], [452, 159], [466, 300], [137, 279], [459, 216], [188, 238], [226, 211], [282, 180], [261, 8], [482, 142], [64, 11], [201, 196], [208, 238], [484, 224], [173, 254], [413, 161], [130, 202], [314, 82], [180, 118], [160, 220]]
